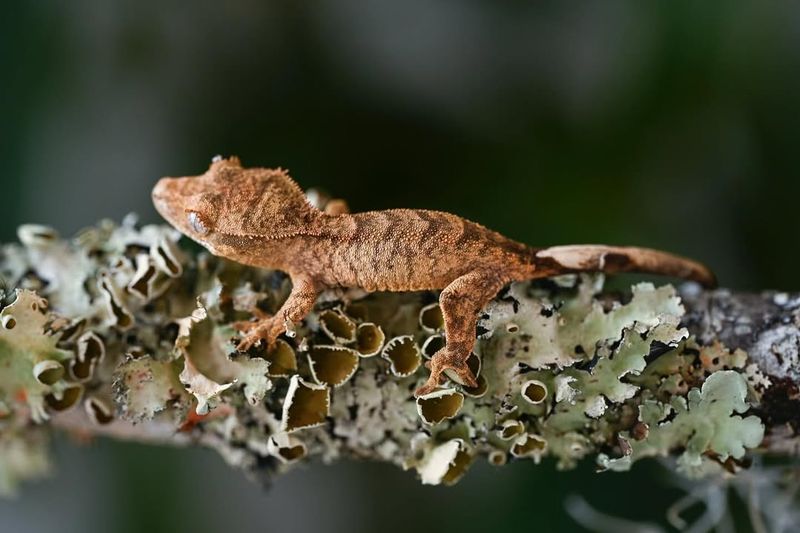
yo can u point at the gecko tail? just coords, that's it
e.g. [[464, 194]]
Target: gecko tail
[[612, 259]]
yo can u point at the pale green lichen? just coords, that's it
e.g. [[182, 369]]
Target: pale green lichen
[[208, 370], [706, 422], [144, 387], [31, 364], [562, 372]]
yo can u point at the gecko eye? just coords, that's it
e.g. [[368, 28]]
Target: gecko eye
[[196, 223]]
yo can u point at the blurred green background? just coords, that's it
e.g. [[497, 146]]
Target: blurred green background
[[665, 124]]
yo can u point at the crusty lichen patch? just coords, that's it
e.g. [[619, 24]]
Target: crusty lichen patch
[[137, 332]]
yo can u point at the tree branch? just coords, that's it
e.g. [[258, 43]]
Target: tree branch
[[121, 333]]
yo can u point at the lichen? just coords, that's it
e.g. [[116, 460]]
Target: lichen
[[31, 363], [444, 463], [144, 387], [369, 339], [704, 423], [332, 365], [440, 405], [337, 326], [140, 332], [306, 405]]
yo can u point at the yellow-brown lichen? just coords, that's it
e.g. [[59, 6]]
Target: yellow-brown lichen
[[431, 319], [306, 405], [529, 445], [534, 391], [98, 410], [432, 344], [337, 326], [282, 360], [511, 429], [64, 397], [369, 339], [479, 391], [497, 457], [439, 405], [117, 312], [403, 354], [286, 448], [332, 365], [48, 372], [90, 352]]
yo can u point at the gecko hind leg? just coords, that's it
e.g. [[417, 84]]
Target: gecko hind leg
[[461, 301]]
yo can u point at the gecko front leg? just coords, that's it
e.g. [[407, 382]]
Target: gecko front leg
[[296, 307], [460, 302]]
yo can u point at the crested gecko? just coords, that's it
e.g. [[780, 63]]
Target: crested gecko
[[261, 217]]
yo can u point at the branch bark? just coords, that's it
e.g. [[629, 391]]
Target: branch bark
[[766, 325]]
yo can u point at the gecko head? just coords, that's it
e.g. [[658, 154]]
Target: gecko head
[[229, 205]]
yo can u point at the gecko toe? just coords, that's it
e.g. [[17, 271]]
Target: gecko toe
[[461, 375], [268, 330], [427, 388], [453, 365], [248, 342], [244, 326]]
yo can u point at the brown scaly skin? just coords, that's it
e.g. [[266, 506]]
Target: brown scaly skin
[[261, 217]]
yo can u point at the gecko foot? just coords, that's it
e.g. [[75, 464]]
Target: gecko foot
[[247, 325], [453, 363], [243, 326], [267, 329]]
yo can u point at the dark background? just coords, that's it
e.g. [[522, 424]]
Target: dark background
[[664, 124]]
